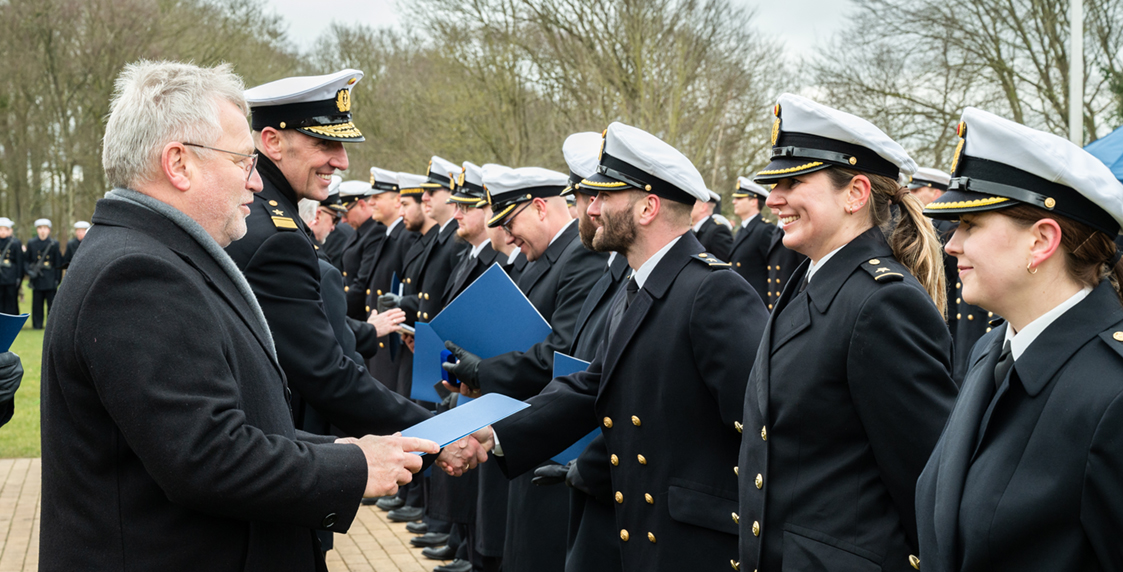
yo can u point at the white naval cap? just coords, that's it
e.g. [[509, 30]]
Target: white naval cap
[[581, 151], [507, 187], [999, 163], [43, 222], [333, 186], [81, 225], [319, 106], [809, 137], [351, 191], [632, 157], [6, 222], [928, 177], [442, 173], [383, 181], [714, 197], [469, 186], [746, 187], [409, 185]]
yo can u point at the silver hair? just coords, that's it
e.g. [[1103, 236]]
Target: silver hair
[[308, 208], [156, 103]]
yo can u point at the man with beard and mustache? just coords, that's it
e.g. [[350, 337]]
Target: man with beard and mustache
[[591, 543], [665, 383]]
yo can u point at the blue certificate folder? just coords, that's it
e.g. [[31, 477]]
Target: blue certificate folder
[[565, 365], [465, 419], [490, 317], [9, 328]]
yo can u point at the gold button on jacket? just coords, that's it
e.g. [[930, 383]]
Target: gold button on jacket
[[608, 422], [624, 535]]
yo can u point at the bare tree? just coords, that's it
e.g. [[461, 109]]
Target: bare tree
[[1008, 56]]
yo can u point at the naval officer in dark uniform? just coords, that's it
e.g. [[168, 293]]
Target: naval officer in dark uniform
[[749, 255], [43, 266], [1026, 474], [11, 268], [299, 126], [716, 237], [591, 542], [852, 382], [527, 202], [360, 252], [75, 241], [666, 384]]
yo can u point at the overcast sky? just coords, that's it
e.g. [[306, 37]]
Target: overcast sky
[[801, 24]]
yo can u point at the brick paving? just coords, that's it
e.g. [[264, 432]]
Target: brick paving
[[373, 544]]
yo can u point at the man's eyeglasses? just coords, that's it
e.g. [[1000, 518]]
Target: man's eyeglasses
[[252, 158], [507, 223], [465, 207]]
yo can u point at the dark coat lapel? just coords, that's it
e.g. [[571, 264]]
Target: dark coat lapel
[[959, 439], [655, 287], [602, 287]]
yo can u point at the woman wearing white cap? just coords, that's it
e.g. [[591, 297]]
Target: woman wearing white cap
[[852, 381], [1027, 474]]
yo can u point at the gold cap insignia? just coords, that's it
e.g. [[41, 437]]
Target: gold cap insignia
[[961, 131], [343, 100]]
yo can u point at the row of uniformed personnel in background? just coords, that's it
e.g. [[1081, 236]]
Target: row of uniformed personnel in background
[[41, 261], [438, 232], [814, 426]]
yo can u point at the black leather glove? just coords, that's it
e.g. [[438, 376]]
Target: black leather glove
[[554, 474], [11, 373], [388, 302], [467, 368]]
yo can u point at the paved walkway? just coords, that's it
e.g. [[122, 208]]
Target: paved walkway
[[373, 544]]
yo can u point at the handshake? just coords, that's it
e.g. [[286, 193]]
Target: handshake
[[391, 460]]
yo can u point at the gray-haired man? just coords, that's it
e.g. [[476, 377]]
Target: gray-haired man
[[167, 437]]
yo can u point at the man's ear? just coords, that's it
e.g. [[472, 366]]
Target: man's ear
[[178, 167], [647, 208], [271, 143]]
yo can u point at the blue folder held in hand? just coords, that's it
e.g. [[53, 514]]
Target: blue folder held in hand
[[9, 328], [427, 348], [490, 317], [565, 365], [465, 419]]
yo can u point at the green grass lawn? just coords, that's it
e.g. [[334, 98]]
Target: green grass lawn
[[20, 437]]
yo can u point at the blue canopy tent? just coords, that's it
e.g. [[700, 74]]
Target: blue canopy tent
[[1109, 149]]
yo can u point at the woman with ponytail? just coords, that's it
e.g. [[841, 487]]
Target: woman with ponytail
[[1027, 473], [852, 381]]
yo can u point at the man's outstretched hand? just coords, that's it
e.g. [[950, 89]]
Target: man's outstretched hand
[[391, 461]]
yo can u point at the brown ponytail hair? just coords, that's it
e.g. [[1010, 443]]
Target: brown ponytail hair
[[1087, 251], [913, 240]]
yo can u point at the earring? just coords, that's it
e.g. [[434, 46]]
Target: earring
[[850, 210], [1028, 265]]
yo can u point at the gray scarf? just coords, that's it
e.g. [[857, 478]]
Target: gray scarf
[[195, 231]]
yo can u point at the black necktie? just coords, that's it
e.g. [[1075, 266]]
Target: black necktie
[[806, 280], [632, 288], [1002, 368]]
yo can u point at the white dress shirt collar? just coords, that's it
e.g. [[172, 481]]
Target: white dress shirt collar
[[646, 268], [1020, 341]]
